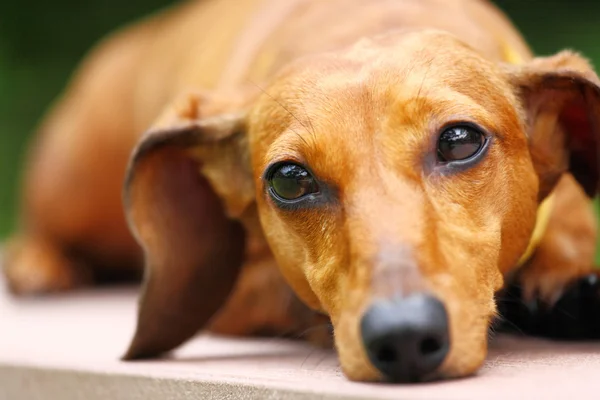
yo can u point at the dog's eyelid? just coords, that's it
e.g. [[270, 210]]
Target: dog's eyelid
[[284, 159], [483, 128]]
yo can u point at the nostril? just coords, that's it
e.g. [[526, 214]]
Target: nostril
[[387, 354], [430, 346]]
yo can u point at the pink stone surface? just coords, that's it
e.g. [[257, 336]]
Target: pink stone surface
[[67, 347]]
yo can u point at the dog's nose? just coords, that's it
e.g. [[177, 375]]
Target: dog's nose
[[406, 339]]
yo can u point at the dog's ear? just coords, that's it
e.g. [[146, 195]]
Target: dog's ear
[[188, 180], [561, 101]]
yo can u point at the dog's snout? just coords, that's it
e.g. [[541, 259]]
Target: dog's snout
[[406, 339]]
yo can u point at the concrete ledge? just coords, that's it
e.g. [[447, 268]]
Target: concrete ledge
[[68, 348]]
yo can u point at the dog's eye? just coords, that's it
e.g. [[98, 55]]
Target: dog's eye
[[291, 181], [459, 143]]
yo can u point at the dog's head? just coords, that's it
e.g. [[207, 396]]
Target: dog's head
[[395, 182]]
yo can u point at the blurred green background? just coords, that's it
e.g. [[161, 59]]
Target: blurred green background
[[42, 41]]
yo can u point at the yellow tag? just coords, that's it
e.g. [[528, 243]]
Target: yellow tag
[[510, 55]]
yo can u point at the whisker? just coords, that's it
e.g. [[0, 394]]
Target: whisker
[[321, 360], [499, 320], [307, 357], [300, 335]]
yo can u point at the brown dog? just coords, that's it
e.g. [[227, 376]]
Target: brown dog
[[388, 158]]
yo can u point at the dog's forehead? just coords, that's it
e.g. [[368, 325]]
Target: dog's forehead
[[409, 79], [394, 56], [380, 70]]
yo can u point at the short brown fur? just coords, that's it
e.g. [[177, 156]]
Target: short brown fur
[[356, 90]]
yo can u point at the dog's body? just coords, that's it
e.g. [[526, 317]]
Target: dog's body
[[229, 52]]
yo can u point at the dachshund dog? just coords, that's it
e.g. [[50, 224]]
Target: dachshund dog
[[385, 165]]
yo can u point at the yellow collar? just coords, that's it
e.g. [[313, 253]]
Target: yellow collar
[[541, 223], [545, 208]]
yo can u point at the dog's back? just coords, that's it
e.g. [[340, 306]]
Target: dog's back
[[219, 44]]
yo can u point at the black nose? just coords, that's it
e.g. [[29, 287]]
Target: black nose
[[406, 339]]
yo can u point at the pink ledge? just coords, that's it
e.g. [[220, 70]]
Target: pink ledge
[[68, 347]]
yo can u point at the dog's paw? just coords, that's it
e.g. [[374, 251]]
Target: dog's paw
[[33, 268], [545, 283], [575, 313]]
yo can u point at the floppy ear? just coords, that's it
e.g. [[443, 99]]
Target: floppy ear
[[188, 180], [561, 100]]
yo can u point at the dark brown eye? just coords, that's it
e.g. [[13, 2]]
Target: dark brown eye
[[291, 181], [459, 143]]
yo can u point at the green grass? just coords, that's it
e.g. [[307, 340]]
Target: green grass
[[42, 42]]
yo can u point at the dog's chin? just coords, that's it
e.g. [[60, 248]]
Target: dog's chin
[[351, 353], [364, 372], [466, 357], [467, 354], [366, 375], [465, 369]]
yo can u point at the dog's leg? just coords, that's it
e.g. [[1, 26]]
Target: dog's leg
[[557, 293], [263, 304], [33, 265], [72, 190]]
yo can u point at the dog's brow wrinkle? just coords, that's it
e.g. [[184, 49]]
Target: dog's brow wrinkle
[[312, 127], [429, 65], [285, 109]]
